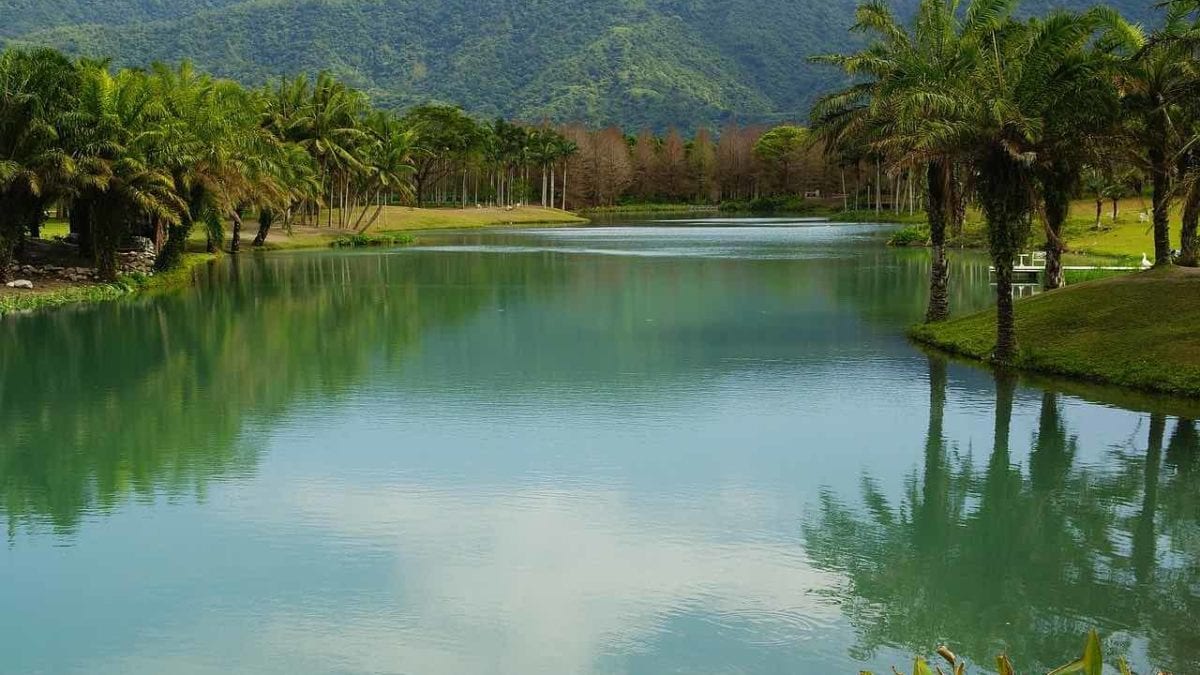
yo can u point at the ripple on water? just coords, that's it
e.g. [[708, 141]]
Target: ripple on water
[[768, 628]]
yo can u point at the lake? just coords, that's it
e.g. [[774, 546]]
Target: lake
[[675, 447]]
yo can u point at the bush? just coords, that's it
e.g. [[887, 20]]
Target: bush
[[910, 235], [765, 205], [359, 240]]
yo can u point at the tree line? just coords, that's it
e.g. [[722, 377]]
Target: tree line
[[1018, 116], [164, 151]]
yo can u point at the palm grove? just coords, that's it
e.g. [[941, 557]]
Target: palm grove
[[162, 152], [169, 151], [1019, 116]]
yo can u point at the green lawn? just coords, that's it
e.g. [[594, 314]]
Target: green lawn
[[1138, 330], [1127, 237], [403, 218], [393, 219]]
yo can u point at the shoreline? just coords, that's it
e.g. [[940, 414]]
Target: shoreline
[[62, 294], [411, 221]]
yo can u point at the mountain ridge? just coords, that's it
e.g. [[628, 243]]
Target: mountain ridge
[[633, 63]]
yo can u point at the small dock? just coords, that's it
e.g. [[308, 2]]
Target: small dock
[[1030, 267]]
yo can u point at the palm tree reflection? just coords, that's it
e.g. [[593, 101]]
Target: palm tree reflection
[[1023, 560]]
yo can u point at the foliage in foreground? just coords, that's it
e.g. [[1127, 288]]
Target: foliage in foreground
[[1091, 663]]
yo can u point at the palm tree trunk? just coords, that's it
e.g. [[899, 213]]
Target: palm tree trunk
[[938, 180], [1006, 333], [1189, 249], [108, 233], [958, 203], [265, 219], [1160, 179], [235, 243], [1056, 197]]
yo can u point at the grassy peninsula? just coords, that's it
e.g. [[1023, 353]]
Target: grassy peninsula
[[1137, 330]]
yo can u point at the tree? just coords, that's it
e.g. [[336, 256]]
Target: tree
[[1029, 78], [671, 169], [645, 160], [37, 93], [1157, 77], [1073, 137], [703, 162], [905, 107], [782, 150], [117, 127], [735, 162]]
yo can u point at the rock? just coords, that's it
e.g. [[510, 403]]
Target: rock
[[20, 283], [142, 244]]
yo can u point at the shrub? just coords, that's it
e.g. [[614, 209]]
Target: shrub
[[359, 240], [910, 235]]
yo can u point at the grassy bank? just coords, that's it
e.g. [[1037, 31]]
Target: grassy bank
[[393, 220], [1123, 238], [1137, 330], [397, 221], [55, 293], [391, 229]]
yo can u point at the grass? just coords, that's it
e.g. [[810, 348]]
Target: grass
[[1126, 238], [56, 293], [1137, 330], [392, 220], [403, 218], [1123, 239], [395, 221]]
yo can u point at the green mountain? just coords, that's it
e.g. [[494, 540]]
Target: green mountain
[[630, 62]]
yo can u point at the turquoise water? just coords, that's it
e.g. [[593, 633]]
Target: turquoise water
[[691, 446]]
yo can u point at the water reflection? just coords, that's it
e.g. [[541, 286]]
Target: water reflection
[[1024, 559], [504, 453]]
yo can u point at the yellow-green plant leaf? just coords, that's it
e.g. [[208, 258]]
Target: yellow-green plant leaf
[[1124, 666], [921, 668], [1004, 666], [1091, 663]]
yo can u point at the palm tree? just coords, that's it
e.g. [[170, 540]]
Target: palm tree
[[390, 165], [1029, 77], [1074, 137], [113, 134], [37, 88], [1157, 78], [214, 145], [904, 107]]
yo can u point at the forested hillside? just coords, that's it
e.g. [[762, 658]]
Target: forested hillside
[[630, 62]]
